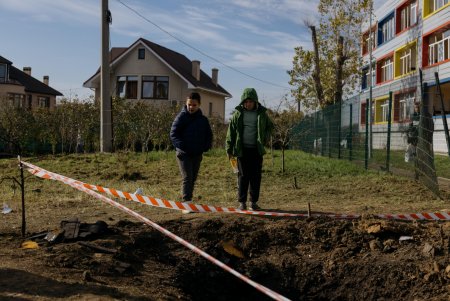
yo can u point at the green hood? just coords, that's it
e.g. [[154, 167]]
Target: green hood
[[249, 93]]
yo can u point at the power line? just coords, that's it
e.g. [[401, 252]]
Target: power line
[[198, 50]]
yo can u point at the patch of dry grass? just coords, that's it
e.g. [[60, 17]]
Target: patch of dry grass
[[328, 185]]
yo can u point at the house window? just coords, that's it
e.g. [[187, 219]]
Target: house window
[[367, 79], [368, 41], [17, 100], [439, 47], [430, 6], [406, 101], [29, 101], [2, 73], [437, 4], [408, 15], [141, 54], [385, 111], [127, 87], [387, 70], [381, 110], [155, 87], [210, 109], [43, 101], [413, 14], [386, 29], [405, 60]]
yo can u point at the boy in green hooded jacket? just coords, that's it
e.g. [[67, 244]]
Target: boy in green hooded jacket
[[248, 131]]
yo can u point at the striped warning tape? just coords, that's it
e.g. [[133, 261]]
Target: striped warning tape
[[151, 201], [163, 203], [80, 186]]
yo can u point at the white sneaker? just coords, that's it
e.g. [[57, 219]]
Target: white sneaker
[[187, 211]]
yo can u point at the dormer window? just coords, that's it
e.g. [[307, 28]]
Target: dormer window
[[141, 54]]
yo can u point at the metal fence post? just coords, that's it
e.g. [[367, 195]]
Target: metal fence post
[[388, 142], [339, 129], [366, 142], [350, 139]]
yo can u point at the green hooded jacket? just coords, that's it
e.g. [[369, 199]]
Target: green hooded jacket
[[234, 140]]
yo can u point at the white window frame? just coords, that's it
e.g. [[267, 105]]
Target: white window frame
[[370, 80], [439, 50], [387, 70], [413, 14], [405, 61], [384, 111], [406, 107], [437, 4], [388, 30], [405, 18], [370, 40]]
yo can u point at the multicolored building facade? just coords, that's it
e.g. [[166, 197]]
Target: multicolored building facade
[[401, 38]]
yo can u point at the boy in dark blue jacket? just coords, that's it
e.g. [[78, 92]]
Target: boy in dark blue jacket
[[191, 135]]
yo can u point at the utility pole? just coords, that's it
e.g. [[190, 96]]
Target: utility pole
[[105, 97]]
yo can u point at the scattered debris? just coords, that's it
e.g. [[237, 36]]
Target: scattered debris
[[428, 250], [229, 247], [29, 245], [97, 248], [54, 235], [6, 209], [71, 230], [405, 238], [374, 229]]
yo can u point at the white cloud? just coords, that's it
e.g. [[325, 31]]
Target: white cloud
[[81, 11], [295, 11]]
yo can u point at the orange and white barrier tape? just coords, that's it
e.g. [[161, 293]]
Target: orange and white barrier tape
[[163, 203], [78, 185], [151, 201]]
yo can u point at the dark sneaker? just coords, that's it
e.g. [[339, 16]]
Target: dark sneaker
[[254, 207], [242, 206]]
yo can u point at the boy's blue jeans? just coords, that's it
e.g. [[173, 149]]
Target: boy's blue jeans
[[189, 166]]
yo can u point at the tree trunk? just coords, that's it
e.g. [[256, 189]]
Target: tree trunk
[[340, 60], [316, 74]]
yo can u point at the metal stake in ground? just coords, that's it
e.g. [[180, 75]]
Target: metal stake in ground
[[22, 190]]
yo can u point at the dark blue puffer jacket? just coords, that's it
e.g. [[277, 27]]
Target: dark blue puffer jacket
[[191, 133]]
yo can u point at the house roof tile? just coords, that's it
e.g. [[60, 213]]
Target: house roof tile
[[30, 83], [4, 61]]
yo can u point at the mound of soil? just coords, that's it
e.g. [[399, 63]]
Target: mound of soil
[[302, 259]]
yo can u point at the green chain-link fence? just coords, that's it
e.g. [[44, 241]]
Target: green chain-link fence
[[343, 131]]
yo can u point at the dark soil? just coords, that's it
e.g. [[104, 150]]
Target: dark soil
[[301, 259]]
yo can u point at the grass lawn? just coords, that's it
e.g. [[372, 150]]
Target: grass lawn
[[329, 185]]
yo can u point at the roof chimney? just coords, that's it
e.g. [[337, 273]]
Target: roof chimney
[[45, 79], [214, 75], [196, 69], [27, 70]]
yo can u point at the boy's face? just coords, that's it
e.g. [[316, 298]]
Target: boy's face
[[249, 104], [192, 105]]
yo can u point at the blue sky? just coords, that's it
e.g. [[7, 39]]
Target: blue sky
[[61, 38]]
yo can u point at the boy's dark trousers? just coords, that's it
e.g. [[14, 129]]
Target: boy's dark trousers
[[249, 176], [189, 166]]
